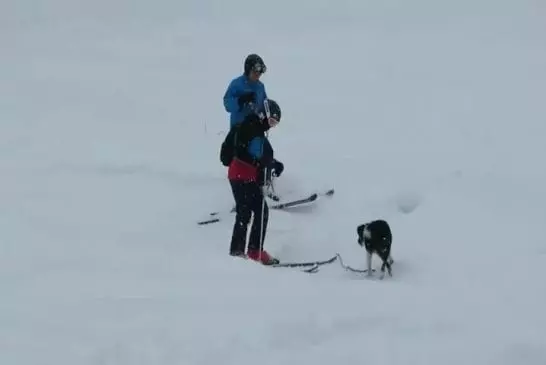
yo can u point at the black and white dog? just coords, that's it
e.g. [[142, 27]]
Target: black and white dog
[[376, 237]]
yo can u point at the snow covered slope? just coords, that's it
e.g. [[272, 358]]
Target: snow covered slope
[[429, 114]]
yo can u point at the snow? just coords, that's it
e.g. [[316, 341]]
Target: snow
[[427, 114]]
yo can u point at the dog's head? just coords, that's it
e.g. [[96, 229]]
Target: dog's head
[[362, 234]]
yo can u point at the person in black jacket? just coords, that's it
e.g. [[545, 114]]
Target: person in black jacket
[[251, 156]]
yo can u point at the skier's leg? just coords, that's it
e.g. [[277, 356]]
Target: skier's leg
[[242, 218], [259, 207], [259, 228]]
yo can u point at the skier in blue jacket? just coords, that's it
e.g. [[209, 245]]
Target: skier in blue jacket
[[246, 90], [246, 94]]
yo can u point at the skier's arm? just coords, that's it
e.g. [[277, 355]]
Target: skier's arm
[[265, 92], [248, 140], [255, 148], [252, 136], [231, 102], [236, 98], [262, 155]]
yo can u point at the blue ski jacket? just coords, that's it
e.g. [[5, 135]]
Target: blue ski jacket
[[237, 87]]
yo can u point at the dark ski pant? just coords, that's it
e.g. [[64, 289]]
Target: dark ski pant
[[249, 200]]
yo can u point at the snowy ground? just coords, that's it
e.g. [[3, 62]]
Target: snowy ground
[[110, 123]]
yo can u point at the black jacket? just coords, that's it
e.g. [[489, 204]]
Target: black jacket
[[247, 142]]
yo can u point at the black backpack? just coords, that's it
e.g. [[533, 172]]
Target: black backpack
[[227, 150]]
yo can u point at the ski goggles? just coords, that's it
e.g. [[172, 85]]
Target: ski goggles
[[259, 68]]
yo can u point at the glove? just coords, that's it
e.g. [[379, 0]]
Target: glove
[[277, 167], [246, 98], [268, 170]]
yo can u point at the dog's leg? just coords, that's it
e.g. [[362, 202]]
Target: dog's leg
[[390, 260], [369, 262], [386, 266]]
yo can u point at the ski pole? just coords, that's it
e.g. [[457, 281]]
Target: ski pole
[[267, 114]]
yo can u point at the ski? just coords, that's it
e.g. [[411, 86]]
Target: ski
[[313, 265], [309, 199], [214, 217], [210, 220], [293, 203]]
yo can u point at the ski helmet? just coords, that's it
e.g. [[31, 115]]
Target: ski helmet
[[253, 62], [274, 109]]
